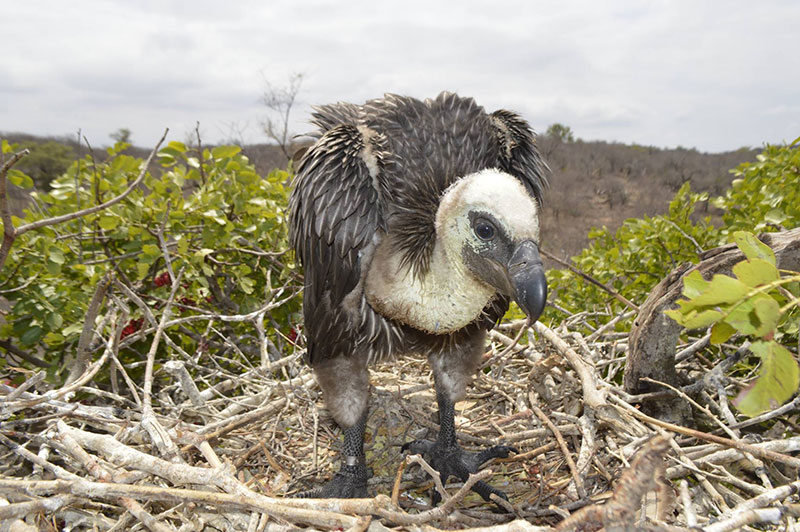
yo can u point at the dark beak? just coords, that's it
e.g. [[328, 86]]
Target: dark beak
[[526, 275]]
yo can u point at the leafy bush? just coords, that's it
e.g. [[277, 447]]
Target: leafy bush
[[633, 259], [219, 222], [46, 161], [759, 301]]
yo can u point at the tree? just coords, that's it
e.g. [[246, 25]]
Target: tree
[[279, 101], [46, 161], [561, 132], [123, 134]]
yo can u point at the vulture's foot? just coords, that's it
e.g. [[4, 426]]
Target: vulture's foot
[[349, 483], [452, 460]]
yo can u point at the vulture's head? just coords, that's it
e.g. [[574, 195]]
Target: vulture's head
[[489, 223]]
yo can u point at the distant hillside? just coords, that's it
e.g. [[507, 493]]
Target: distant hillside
[[598, 183], [592, 183]]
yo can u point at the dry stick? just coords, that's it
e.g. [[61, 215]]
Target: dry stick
[[564, 450], [57, 471], [609, 325], [592, 395], [11, 233], [47, 506], [728, 455], [702, 478], [437, 478], [757, 464], [403, 518], [767, 497], [90, 372], [619, 297], [103, 475], [588, 443], [689, 514], [635, 482], [82, 356], [760, 515], [788, 407], [120, 454], [158, 435], [38, 377], [24, 355], [741, 446], [397, 479], [225, 501], [510, 346]]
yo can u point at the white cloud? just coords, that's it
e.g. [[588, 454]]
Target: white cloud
[[715, 75]]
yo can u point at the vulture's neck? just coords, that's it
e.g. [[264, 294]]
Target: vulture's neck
[[444, 299]]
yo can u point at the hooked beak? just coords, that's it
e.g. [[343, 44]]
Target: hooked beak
[[526, 275]]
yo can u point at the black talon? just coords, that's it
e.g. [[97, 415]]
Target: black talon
[[350, 482], [449, 459]]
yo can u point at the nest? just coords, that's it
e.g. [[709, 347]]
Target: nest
[[197, 449]]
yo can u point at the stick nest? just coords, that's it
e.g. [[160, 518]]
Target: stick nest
[[198, 446]]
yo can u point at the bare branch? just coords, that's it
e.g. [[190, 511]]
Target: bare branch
[[280, 100]]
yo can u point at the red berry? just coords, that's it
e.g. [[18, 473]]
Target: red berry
[[162, 280], [132, 326], [294, 332]]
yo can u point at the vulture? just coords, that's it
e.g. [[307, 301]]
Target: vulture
[[416, 222]]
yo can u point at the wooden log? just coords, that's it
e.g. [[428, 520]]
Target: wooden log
[[654, 336]]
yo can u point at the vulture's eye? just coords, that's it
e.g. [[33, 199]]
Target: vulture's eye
[[485, 230]]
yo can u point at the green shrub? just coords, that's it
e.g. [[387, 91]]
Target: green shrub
[[223, 224], [635, 257]]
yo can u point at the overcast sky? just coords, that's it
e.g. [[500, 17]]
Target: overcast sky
[[711, 75]]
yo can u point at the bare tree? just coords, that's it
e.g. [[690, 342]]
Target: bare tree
[[280, 100]]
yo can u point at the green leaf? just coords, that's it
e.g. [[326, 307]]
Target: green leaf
[[752, 247], [222, 152], [246, 284], [722, 289], [53, 339], [768, 312], [695, 319], [742, 317], [108, 222], [694, 284], [756, 272], [142, 268], [150, 249], [775, 216], [778, 380], [31, 336], [721, 332], [54, 254], [19, 179], [54, 320]]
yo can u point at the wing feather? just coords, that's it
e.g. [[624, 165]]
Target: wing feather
[[518, 153], [335, 210]]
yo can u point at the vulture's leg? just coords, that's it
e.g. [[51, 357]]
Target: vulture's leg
[[452, 371], [345, 386]]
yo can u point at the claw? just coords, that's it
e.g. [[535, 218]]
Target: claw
[[418, 447], [451, 460], [350, 482]]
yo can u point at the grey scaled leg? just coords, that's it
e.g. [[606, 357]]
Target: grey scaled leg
[[452, 370], [351, 479], [449, 459], [345, 385]]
